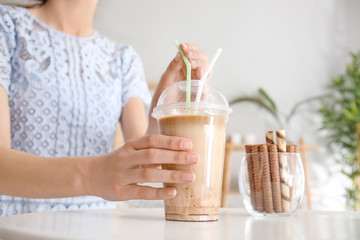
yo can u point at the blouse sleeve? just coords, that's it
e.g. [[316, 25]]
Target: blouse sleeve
[[7, 47], [133, 77]]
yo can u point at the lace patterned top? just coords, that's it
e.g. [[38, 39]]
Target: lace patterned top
[[65, 94]]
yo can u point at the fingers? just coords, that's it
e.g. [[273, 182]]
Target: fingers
[[161, 142], [200, 71], [192, 52], [175, 65], [178, 58], [150, 166], [201, 64], [149, 193], [153, 175], [188, 46], [195, 56], [155, 156], [198, 59]]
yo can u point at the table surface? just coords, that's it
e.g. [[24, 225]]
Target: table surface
[[149, 223]]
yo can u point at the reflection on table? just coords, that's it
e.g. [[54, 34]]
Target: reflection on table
[[148, 223]]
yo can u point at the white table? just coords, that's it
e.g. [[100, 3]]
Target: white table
[[149, 223]]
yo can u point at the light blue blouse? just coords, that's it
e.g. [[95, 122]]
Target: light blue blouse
[[65, 93]]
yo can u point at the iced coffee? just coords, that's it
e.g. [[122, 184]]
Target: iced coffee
[[204, 123]]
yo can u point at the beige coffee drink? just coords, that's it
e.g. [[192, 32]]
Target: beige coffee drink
[[204, 123], [199, 200]]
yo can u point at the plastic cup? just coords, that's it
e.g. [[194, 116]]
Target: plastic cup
[[204, 123]]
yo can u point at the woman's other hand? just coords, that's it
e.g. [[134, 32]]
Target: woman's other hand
[[116, 176], [176, 71]]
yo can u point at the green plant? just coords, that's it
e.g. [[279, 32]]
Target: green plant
[[263, 100], [340, 116]]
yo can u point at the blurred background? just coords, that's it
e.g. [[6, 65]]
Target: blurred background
[[291, 49]]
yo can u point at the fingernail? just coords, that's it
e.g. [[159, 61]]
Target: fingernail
[[184, 46], [171, 192], [189, 177], [193, 158], [185, 145]]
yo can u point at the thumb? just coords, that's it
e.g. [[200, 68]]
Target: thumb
[[172, 72], [176, 64]]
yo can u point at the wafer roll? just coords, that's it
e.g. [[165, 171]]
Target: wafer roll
[[266, 179], [269, 137], [292, 166], [275, 177], [292, 159], [296, 148], [251, 175], [291, 149], [293, 163], [257, 179], [296, 158], [284, 171]]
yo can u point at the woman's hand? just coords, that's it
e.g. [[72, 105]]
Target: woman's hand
[[176, 71], [115, 176]]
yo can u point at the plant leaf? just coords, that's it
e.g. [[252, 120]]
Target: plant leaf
[[307, 100], [257, 101], [268, 98]]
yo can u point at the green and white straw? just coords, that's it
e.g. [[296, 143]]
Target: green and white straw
[[188, 73]]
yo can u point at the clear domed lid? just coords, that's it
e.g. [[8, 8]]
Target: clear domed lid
[[172, 101]]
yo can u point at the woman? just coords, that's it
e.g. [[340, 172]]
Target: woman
[[63, 88]]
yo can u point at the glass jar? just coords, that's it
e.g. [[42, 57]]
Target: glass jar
[[275, 185]]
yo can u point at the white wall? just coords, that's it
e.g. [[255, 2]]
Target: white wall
[[291, 48]]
